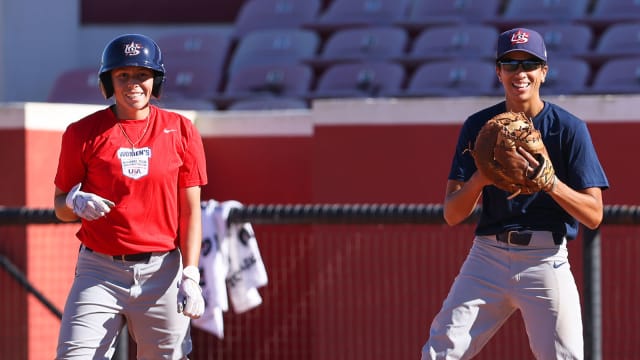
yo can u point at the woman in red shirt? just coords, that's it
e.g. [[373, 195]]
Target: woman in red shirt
[[132, 173]]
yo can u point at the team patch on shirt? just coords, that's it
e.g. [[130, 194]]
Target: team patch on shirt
[[135, 162]]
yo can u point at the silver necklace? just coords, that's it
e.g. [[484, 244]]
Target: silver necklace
[[134, 143]]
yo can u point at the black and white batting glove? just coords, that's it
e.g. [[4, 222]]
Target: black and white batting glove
[[87, 205], [191, 302]]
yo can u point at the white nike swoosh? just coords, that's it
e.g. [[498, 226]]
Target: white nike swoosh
[[166, 131]]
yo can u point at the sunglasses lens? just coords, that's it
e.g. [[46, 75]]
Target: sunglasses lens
[[527, 65], [530, 65], [510, 65]]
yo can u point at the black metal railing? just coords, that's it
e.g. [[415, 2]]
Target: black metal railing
[[371, 214]]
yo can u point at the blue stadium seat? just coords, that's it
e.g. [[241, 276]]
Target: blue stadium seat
[[618, 76], [269, 103], [350, 13], [565, 40], [427, 13], [190, 80], [180, 103], [77, 86], [609, 12], [475, 41], [566, 76], [274, 14], [376, 43], [194, 61], [618, 40], [269, 81], [360, 79], [453, 78], [517, 12], [279, 46]]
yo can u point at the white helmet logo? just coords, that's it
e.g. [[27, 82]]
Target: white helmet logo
[[132, 49]]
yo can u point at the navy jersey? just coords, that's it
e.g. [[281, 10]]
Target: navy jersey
[[574, 159]]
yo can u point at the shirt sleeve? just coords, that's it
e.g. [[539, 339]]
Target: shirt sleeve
[[71, 168], [193, 171], [586, 169]]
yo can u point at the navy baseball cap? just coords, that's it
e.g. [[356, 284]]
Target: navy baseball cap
[[521, 39]]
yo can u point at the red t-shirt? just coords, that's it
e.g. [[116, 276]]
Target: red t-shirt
[[143, 181]]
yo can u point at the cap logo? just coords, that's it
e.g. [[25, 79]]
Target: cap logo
[[132, 49], [520, 38]]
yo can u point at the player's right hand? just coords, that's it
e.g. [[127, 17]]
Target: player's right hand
[[86, 205], [191, 302]]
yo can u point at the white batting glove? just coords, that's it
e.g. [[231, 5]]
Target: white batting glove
[[191, 302], [87, 205]]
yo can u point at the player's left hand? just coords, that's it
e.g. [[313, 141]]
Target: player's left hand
[[191, 302]]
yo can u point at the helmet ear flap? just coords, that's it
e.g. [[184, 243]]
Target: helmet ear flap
[[158, 79], [106, 84]]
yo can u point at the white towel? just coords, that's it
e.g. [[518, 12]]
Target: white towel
[[230, 264]]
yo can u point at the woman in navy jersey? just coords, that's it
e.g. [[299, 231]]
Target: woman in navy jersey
[[518, 260]]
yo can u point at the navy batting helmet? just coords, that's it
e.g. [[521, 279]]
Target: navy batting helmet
[[131, 50]]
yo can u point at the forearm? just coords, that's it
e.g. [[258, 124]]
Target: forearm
[[585, 206], [190, 226], [462, 198], [62, 211]]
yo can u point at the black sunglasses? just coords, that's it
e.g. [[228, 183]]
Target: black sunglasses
[[527, 65]]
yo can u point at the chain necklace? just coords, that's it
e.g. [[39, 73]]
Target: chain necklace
[[132, 143]]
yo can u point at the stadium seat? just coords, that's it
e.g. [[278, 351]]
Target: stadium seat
[[473, 41], [194, 62], [453, 78], [77, 86], [564, 40], [618, 40], [618, 76], [351, 13], [361, 79], [517, 12], [279, 46], [426, 13], [205, 44], [268, 80], [180, 103], [362, 44], [190, 80], [566, 76], [269, 103], [274, 14], [609, 12]]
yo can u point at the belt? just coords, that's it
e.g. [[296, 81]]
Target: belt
[[524, 237], [129, 257]]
